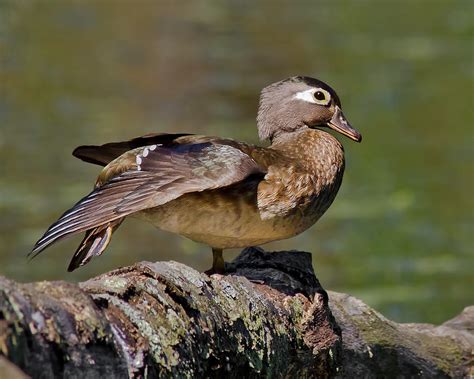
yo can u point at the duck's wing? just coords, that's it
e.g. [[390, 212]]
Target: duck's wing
[[104, 154], [151, 176]]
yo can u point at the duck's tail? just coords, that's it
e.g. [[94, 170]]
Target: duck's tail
[[97, 214], [93, 244]]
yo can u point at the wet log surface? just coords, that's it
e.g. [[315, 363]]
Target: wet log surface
[[268, 317]]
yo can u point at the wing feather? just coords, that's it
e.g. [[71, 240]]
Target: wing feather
[[157, 175], [106, 153]]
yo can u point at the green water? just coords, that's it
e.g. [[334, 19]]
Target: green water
[[399, 234]]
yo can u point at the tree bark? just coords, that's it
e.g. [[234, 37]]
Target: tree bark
[[267, 317]]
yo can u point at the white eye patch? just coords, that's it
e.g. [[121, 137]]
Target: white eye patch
[[315, 96]]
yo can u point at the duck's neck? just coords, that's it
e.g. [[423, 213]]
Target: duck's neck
[[315, 150]]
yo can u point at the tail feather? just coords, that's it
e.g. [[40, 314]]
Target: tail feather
[[95, 210], [93, 244]]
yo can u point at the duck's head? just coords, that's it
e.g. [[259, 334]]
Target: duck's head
[[299, 102]]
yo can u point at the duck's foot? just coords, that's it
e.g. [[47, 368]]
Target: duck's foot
[[218, 264]]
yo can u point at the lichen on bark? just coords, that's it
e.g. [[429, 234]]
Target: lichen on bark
[[268, 317]]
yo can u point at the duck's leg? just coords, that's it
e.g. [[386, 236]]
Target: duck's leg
[[218, 264]]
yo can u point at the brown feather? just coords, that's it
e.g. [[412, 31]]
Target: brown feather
[[94, 243], [163, 174], [104, 154]]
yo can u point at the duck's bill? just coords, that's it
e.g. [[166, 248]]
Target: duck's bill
[[340, 124]]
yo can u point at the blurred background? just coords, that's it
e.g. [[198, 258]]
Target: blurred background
[[399, 235]]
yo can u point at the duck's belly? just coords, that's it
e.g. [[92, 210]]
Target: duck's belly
[[226, 219]]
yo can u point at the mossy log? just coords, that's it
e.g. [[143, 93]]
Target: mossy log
[[268, 317]]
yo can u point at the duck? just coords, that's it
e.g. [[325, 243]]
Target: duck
[[218, 191]]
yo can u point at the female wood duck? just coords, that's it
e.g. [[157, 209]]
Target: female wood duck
[[217, 191]]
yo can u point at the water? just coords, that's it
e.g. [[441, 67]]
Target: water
[[399, 233]]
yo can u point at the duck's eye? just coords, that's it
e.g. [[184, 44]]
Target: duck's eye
[[318, 95], [315, 95]]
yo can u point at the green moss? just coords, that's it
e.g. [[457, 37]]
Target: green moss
[[376, 330]]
